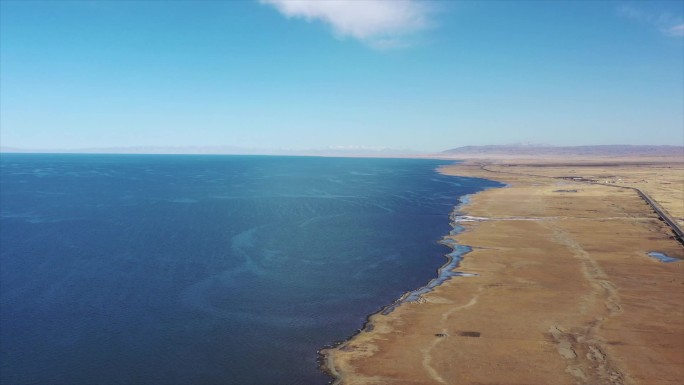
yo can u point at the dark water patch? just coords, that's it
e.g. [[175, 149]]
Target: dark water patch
[[206, 269]]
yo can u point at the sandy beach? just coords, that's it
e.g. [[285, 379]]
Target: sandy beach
[[564, 292]]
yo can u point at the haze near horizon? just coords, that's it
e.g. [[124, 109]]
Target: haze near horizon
[[426, 76]]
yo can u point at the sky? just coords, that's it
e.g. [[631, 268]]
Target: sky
[[418, 75]]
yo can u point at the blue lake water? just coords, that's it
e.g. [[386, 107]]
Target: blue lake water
[[662, 257], [178, 269]]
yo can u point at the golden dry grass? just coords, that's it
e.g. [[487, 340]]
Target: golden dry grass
[[565, 292]]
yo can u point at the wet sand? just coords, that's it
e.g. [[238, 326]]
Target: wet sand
[[565, 291]]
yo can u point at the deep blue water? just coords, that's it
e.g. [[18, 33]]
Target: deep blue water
[[145, 269]]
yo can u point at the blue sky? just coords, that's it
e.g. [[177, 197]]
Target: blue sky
[[421, 75]]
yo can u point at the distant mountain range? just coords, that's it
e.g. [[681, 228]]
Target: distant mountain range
[[524, 150], [493, 151]]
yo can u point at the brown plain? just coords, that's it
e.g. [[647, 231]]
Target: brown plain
[[565, 292]]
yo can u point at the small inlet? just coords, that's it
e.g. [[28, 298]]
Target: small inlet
[[662, 257]]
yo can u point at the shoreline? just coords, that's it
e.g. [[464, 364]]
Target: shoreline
[[556, 298], [444, 273], [453, 258]]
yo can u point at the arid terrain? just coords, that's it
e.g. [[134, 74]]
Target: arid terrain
[[661, 179], [564, 292]]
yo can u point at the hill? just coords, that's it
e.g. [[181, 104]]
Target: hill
[[535, 151]]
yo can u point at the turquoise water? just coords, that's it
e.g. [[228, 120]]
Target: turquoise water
[[176, 269]]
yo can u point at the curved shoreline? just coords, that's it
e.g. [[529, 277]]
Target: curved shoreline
[[444, 273], [453, 258], [564, 294]]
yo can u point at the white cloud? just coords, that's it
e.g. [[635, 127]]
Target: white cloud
[[629, 12], [668, 24], [379, 23], [677, 30]]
